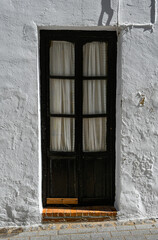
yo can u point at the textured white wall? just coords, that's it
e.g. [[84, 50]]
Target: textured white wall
[[139, 128], [137, 11], [137, 125]]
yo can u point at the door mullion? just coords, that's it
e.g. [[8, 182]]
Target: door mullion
[[78, 107]]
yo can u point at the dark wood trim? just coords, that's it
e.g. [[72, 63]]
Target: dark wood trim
[[62, 115], [95, 78], [84, 77], [101, 115], [62, 77]]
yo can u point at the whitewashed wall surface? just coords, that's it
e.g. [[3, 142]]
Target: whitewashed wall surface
[[137, 101]]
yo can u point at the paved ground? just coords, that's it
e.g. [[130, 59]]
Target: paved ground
[[117, 230]]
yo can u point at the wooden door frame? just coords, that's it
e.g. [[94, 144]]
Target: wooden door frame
[[45, 37]]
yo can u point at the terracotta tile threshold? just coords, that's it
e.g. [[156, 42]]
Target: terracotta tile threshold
[[70, 214]]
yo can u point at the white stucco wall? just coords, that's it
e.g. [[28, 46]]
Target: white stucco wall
[[137, 125]]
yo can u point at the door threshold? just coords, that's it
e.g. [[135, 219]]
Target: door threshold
[[76, 213]]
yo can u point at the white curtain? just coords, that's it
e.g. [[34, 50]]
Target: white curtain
[[62, 134], [62, 129], [95, 59], [62, 96], [61, 58], [94, 96], [94, 134]]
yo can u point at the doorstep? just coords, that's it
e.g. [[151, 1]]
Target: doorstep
[[86, 213]]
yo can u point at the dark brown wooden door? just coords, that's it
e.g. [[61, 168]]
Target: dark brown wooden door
[[78, 84]]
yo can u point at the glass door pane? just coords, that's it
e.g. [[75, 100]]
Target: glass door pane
[[62, 134], [94, 134], [94, 96], [62, 58], [95, 59], [62, 96]]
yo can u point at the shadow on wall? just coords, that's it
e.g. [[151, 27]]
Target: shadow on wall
[[152, 13], [106, 8]]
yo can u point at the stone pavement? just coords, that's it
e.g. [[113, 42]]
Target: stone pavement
[[131, 230]]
